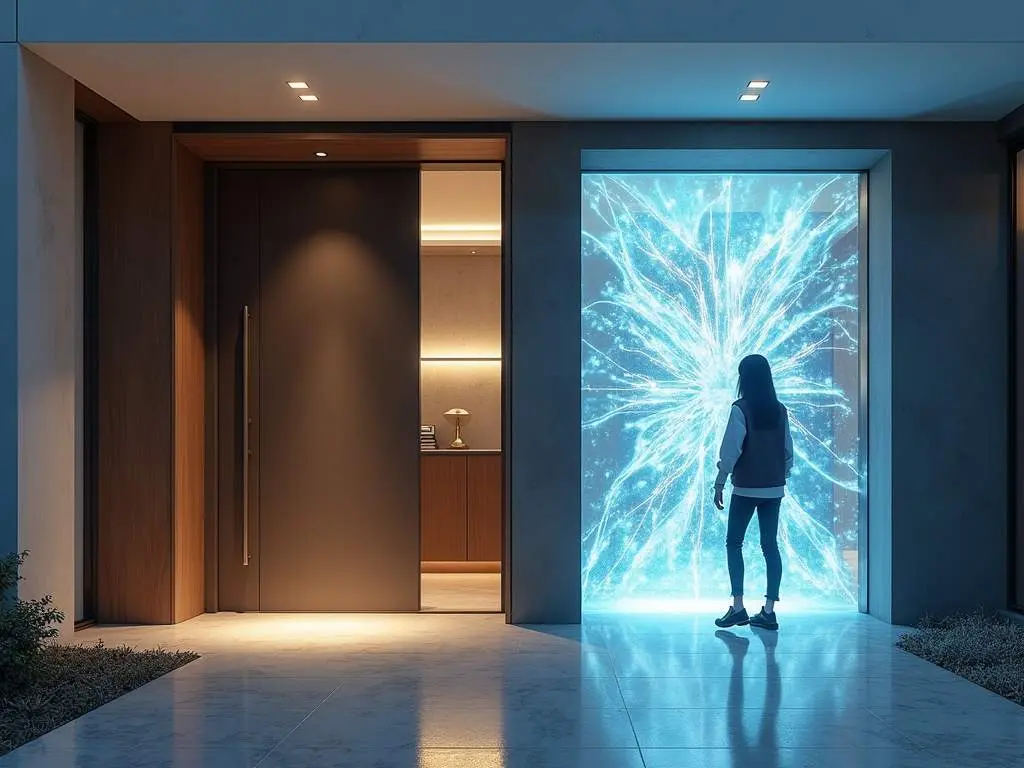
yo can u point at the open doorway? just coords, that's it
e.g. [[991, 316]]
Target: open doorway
[[357, 302], [461, 388]]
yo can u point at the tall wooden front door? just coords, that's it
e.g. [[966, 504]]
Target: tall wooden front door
[[318, 389]]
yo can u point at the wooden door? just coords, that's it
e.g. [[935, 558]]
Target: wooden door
[[333, 390]]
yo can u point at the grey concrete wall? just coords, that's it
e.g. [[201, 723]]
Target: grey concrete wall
[[947, 535], [49, 372], [8, 21], [878, 524], [788, 21], [9, 69]]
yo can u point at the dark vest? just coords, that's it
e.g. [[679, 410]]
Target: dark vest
[[763, 461]]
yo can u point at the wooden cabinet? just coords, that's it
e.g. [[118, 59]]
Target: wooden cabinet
[[483, 508], [460, 507], [443, 507]]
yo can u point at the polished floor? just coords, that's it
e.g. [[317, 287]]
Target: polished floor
[[460, 592], [828, 691]]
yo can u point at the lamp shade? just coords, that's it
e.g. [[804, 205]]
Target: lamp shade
[[458, 414]]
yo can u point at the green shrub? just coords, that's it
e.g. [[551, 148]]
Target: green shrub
[[25, 626]]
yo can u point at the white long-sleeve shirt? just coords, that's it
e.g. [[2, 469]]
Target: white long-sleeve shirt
[[732, 448]]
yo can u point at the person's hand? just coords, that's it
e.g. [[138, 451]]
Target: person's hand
[[719, 499]]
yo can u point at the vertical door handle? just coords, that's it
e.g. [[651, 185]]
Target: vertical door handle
[[246, 422]]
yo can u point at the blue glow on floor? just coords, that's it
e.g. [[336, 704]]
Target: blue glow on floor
[[684, 275]]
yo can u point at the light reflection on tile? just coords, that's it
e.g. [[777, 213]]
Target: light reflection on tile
[[827, 691]]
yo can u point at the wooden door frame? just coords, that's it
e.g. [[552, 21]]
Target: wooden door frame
[[280, 146]]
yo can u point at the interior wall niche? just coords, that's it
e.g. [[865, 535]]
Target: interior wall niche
[[461, 344]]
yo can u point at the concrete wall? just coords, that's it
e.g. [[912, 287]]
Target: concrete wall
[[786, 21], [946, 549], [10, 57], [48, 332], [8, 21]]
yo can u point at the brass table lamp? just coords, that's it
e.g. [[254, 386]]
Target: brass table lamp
[[458, 417]]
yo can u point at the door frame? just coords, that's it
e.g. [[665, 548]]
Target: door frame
[[286, 146]]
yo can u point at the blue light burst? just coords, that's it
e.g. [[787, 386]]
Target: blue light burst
[[683, 275]]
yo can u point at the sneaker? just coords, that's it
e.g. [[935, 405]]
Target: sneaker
[[733, 618], [764, 620]]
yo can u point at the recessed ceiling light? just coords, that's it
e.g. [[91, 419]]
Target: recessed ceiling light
[[749, 96], [321, 154], [298, 85], [309, 97], [757, 85]]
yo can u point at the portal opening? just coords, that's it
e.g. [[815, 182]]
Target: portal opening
[[683, 275]]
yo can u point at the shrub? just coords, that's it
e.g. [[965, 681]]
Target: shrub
[[987, 650], [25, 626]]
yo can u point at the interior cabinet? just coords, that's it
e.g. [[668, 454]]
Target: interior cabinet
[[483, 508], [460, 507], [443, 509]]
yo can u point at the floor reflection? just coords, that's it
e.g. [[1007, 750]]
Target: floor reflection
[[762, 747], [437, 691]]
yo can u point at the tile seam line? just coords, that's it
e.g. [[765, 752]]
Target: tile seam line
[[625, 707], [298, 725]]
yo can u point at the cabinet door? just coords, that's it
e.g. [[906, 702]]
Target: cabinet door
[[443, 508], [484, 502]]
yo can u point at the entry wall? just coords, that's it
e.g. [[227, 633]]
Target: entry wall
[[943, 547], [41, 304]]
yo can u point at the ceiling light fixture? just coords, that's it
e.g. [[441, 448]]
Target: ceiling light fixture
[[749, 96], [297, 85], [309, 97], [757, 85], [321, 154]]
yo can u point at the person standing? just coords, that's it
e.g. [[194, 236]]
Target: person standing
[[757, 451]]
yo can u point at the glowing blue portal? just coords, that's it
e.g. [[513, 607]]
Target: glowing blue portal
[[684, 275]]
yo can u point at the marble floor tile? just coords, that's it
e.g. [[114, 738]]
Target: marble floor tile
[[312, 757], [446, 691], [890, 757], [750, 730], [446, 727]]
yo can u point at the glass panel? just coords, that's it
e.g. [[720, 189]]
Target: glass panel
[[684, 274]]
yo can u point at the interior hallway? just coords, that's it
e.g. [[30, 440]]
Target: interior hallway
[[472, 692]]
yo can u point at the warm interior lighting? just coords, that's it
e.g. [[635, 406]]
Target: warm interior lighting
[[321, 154], [298, 85], [309, 97], [460, 359], [750, 97], [460, 233], [757, 85]]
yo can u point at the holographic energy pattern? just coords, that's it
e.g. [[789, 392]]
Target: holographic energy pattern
[[684, 274]]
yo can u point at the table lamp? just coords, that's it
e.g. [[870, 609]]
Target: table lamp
[[458, 416]]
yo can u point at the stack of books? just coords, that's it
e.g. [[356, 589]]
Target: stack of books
[[428, 437]]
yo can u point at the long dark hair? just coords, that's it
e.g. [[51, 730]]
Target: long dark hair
[[758, 389]]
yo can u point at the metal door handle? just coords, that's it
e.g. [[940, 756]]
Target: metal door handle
[[246, 453]]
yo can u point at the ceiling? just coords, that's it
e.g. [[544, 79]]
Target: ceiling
[[405, 82]]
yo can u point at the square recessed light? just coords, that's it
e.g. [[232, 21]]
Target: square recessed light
[[297, 85], [749, 96], [309, 97], [757, 85]]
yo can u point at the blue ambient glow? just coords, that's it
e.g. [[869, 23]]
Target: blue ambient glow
[[683, 275]]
